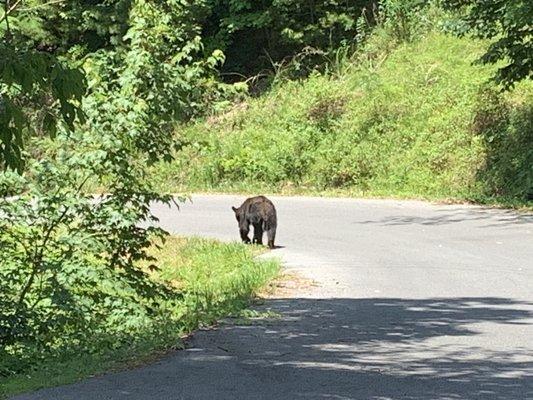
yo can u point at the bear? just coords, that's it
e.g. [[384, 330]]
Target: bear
[[261, 213]]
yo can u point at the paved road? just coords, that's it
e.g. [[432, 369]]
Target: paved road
[[415, 301]]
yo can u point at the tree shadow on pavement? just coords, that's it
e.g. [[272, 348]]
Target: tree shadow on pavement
[[360, 349], [387, 348], [485, 216]]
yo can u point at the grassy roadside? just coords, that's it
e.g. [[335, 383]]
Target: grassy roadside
[[214, 279], [418, 122], [246, 190]]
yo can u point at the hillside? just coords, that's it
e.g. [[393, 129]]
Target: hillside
[[418, 120]]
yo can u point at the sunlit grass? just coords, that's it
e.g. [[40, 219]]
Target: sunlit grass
[[411, 121]]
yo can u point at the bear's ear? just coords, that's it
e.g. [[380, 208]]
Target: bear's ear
[[234, 209]]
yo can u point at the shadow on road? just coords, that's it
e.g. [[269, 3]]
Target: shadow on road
[[386, 348], [445, 216], [360, 349]]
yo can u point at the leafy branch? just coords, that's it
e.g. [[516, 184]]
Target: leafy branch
[[8, 9]]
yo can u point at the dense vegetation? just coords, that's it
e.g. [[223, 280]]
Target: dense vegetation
[[367, 96], [417, 120], [508, 22], [256, 34], [411, 113], [105, 323]]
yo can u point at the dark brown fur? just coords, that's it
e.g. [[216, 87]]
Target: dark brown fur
[[261, 213]]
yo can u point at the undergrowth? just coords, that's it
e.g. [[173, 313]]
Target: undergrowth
[[209, 280]]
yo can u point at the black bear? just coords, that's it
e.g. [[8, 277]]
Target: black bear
[[261, 213]]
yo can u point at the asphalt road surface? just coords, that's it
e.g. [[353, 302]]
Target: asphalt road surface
[[413, 301]]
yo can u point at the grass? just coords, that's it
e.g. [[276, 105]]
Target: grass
[[417, 120], [215, 280], [247, 189]]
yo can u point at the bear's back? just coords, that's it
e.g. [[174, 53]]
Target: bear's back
[[260, 206]]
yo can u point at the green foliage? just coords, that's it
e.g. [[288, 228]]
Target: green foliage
[[509, 23], [201, 280], [52, 229], [138, 90], [404, 20], [36, 90], [506, 128], [70, 262], [215, 279], [401, 121], [144, 59], [68, 266], [254, 34]]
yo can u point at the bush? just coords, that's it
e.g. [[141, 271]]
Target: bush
[[68, 271], [505, 125], [69, 263], [85, 317]]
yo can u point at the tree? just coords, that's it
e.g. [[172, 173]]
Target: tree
[[63, 250], [510, 23], [253, 34], [36, 88]]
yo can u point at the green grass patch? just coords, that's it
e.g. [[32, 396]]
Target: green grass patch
[[416, 120], [211, 280]]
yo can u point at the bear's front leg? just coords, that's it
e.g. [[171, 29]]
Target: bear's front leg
[[244, 235]]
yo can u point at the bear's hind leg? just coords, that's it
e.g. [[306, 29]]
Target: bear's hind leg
[[258, 233], [271, 235]]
